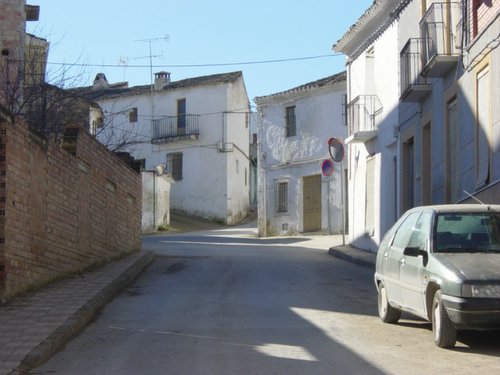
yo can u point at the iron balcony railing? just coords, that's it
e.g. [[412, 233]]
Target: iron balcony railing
[[363, 111], [438, 29], [411, 67], [169, 127]]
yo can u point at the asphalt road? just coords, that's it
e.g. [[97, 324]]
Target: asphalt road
[[221, 302]]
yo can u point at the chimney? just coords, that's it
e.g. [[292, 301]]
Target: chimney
[[161, 80], [100, 82]]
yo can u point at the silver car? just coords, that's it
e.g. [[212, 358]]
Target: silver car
[[442, 263]]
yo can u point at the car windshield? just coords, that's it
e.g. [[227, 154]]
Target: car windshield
[[467, 232]]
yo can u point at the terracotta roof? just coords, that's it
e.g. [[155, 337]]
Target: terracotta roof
[[112, 92], [323, 82]]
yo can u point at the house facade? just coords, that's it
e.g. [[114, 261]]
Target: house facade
[[423, 109], [196, 129], [294, 195]]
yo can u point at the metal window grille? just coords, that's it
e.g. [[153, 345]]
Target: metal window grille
[[174, 165], [132, 115], [291, 126], [344, 109], [281, 195]]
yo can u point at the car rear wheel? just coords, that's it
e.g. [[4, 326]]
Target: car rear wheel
[[444, 332], [387, 313]]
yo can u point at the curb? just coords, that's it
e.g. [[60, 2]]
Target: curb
[[82, 316], [338, 253]]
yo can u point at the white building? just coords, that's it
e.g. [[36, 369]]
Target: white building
[[196, 127], [293, 195], [423, 109]]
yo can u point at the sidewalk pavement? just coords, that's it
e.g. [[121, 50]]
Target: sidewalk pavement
[[35, 325]]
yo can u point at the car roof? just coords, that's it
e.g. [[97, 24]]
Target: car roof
[[444, 208]]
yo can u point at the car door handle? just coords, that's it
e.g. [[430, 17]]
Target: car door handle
[[386, 255], [403, 261]]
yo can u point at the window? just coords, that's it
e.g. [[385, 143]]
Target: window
[[467, 231], [421, 232], [344, 109], [132, 115], [281, 195], [405, 231], [174, 165], [291, 127], [181, 116], [475, 16], [482, 127]]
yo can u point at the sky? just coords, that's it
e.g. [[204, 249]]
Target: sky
[[127, 40]]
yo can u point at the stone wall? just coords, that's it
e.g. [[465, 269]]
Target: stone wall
[[64, 206]]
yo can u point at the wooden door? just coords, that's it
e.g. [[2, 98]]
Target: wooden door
[[312, 203]]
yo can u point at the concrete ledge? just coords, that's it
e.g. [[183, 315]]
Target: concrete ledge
[[356, 256]]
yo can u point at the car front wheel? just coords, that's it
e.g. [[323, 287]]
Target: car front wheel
[[387, 313], [444, 332]]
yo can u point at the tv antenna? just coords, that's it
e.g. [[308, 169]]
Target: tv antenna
[[150, 41], [123, 61]]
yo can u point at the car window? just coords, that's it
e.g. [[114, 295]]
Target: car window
[[421, 232], [405, 231], [467, 231]]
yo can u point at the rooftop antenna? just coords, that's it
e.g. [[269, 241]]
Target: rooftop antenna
[[150, 42], [123, 61]]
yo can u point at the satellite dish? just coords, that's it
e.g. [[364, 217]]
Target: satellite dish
[[160, 169]]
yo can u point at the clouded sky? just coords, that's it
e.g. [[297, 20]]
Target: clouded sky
[[191, 38]]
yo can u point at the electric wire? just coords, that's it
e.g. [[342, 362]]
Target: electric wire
[[234, 63]]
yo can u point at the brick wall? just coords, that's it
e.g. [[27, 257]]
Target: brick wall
[[482, 14], [12, 36], [63, 208]]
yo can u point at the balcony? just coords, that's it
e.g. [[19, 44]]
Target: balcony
[[414, 87], [363, 112], [175, 128], [441, 41]]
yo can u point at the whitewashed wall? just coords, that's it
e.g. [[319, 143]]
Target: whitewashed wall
[[382, 80], [155, 201], [211, 186], [318, 118]]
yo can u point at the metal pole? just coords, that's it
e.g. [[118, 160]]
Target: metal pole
[[342, 199]]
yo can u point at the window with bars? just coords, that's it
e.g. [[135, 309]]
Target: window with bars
[[132, 115], [174, 165], [281, 196], [291, 126]]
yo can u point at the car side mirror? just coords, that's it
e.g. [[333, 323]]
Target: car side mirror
[[414, 252]]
